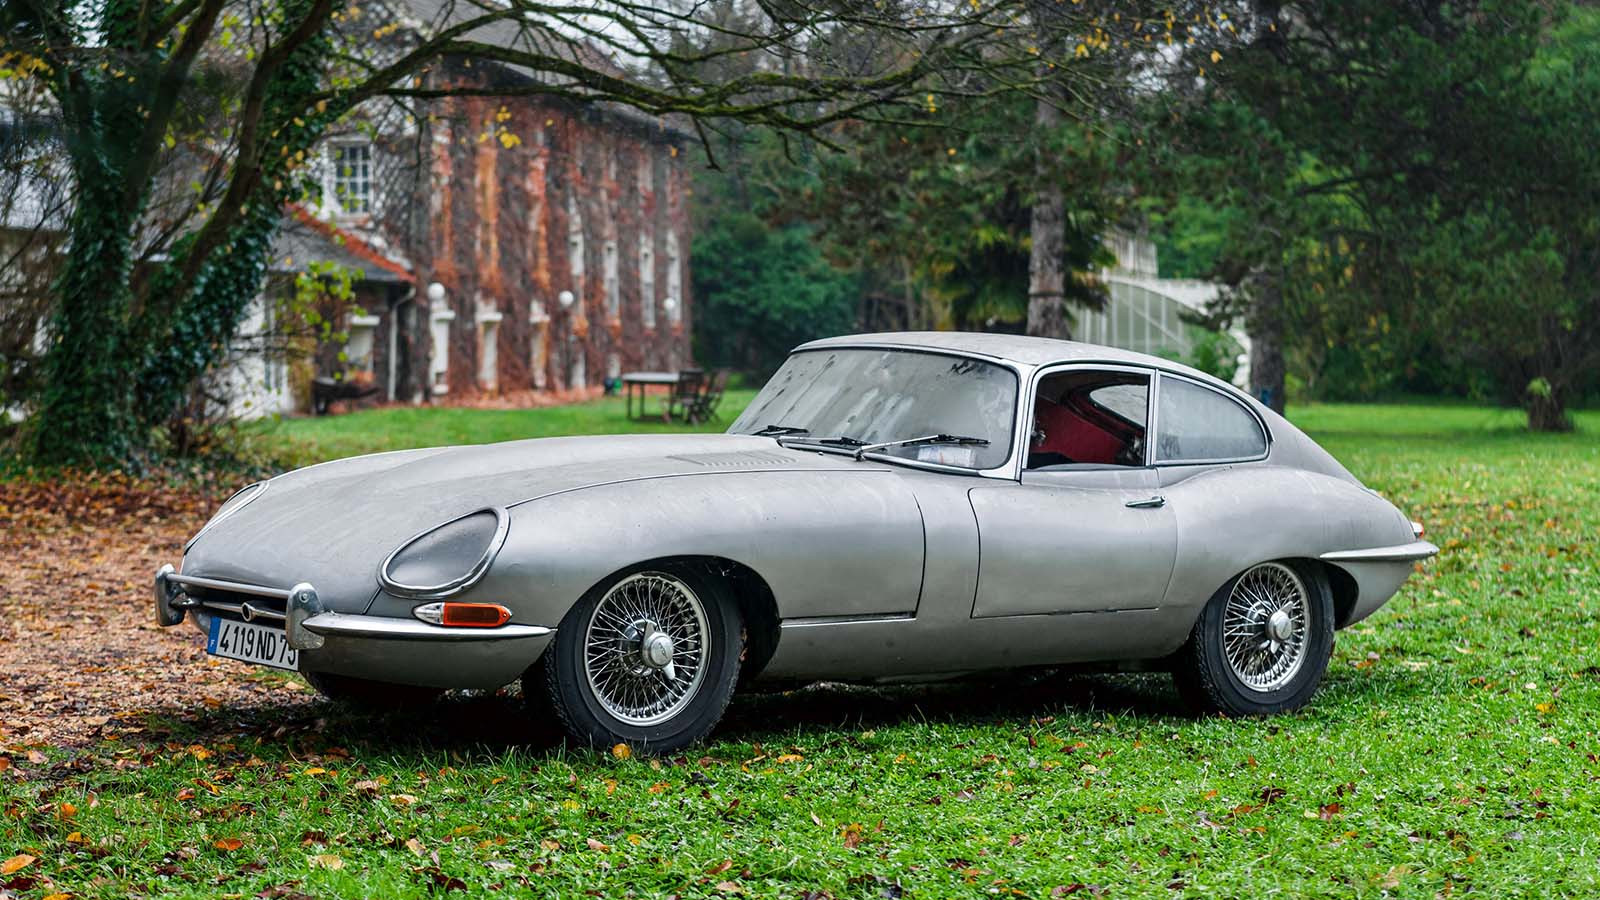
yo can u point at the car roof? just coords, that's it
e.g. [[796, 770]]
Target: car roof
[[1016, 348]]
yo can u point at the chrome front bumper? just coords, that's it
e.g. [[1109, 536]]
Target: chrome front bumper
[[306, 622], [300, 604]]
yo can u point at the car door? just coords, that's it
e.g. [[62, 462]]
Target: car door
[[1080, 535]]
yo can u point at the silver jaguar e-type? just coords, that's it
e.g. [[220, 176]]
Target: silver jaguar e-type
[[890, 506]]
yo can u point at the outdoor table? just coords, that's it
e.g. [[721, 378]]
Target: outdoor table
[[642, 381]]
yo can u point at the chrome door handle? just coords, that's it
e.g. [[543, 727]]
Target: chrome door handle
[[1147, 503]]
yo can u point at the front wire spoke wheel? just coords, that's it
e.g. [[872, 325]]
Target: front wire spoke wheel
[[645, 647], [1267, 624]]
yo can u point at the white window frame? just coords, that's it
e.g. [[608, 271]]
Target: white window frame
[[332, 199], [674, 278], [647, 279], [613, 281]]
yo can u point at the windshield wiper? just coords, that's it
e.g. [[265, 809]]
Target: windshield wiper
[[843, 440], [776, 430], [956, 439]]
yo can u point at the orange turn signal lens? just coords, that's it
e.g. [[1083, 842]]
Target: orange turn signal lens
[[463, 615]]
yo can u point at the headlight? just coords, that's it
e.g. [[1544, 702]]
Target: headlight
[[445, 560], [233, 504]]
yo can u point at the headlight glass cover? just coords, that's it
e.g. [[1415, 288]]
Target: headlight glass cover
[[445, 560], [233, 504]]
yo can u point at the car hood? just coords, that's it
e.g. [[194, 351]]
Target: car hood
[[333, 524]]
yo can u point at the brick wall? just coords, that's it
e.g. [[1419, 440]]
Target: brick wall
[[529, 197]]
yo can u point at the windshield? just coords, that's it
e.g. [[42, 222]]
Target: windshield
[[873, 396]]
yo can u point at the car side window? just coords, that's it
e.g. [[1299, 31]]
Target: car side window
[[1197, 424], [1089, 418]]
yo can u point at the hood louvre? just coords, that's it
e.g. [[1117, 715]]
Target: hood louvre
[[735, 460]]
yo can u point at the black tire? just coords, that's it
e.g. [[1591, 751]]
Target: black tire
[[1208, 682], [560, 683], [380, 696]]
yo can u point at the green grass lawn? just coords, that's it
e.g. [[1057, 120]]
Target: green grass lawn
[[1451, 752], [308, 440]]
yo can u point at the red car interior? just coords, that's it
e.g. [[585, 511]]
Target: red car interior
[[1082, 432]]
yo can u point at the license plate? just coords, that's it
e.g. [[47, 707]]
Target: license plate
[[251, 643]]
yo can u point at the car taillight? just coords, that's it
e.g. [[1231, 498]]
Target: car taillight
[[463, 615]]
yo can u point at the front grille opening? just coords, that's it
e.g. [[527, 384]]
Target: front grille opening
[[233, 604]]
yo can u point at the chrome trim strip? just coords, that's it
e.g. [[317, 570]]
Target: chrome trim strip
[[455, 585], [237, 587], [864, 619], [347, 625], [1398, 553]]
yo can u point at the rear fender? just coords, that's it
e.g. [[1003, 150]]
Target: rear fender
[[1231, 518]]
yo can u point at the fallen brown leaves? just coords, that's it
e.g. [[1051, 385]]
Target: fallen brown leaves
[[81, 657]]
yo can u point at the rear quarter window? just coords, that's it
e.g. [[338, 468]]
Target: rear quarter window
[[1197, 424]]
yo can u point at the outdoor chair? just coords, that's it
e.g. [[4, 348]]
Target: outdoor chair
[[685, 395], [705, 407]]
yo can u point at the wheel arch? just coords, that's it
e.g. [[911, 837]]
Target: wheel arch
[[1340, 583], [1346, 592], [758, 606]]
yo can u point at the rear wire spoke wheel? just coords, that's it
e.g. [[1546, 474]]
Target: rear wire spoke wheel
[[1266, 627], [1262, 643], [649, 659]]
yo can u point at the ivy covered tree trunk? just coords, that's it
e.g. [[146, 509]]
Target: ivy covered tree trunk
[[86, 413], [86, 410], [127, 345], [1546, 405]]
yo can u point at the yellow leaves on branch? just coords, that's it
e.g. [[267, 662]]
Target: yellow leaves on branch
[[498, 130], [18, 65]]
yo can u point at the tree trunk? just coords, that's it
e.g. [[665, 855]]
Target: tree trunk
[[1547, 409], [85, 413], [1265, 327], [1047, 299]]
